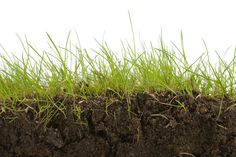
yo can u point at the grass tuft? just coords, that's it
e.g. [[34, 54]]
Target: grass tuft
[[75, 72]]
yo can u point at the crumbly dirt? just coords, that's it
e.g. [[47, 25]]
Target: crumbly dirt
[[162, 124]]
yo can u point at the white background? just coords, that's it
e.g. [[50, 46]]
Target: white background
[[211, 20]]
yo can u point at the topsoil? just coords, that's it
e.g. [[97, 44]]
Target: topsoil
[[157, 124]]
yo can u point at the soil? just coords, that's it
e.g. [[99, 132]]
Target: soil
[[157, 124]]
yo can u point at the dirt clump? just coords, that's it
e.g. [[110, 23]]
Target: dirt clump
[[163, 124]]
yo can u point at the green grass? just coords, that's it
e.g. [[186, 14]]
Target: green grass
[[71, 71]]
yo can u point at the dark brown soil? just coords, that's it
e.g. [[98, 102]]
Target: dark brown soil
[[142, 125]]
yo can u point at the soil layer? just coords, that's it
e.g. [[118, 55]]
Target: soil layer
[[162, 124]]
